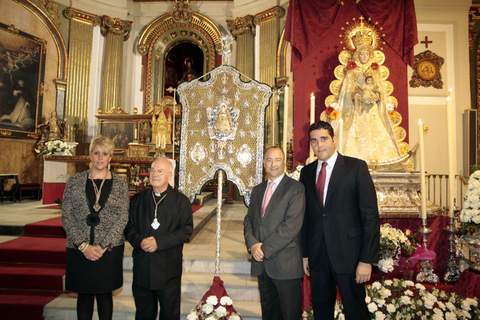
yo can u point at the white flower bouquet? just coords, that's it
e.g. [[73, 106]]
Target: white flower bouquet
[[406, 300], [393, 242], [470, 214], [56, 147], [213, 308]]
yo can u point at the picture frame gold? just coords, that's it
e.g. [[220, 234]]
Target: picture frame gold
[[426, 70], [22, 73], [124, 129]]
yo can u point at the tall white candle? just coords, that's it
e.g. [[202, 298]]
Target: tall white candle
[[340, 135], [312, 108], [423, 187], [451, 129], [312, 117], [285, 119]]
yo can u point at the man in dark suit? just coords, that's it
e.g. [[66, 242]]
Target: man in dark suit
[[341, 231], [160, 221], [272, 235]]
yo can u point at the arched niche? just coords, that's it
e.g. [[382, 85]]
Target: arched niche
[[162, 35]]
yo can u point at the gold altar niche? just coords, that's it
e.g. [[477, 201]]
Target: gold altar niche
[[362, 111], [166, 44]]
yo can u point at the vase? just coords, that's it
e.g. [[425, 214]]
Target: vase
[[469, 247]]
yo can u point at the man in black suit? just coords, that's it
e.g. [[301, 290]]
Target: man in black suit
[[272, 235], [341, 233], [160, 221]]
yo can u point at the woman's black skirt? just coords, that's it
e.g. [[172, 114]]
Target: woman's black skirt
[[101, 276]]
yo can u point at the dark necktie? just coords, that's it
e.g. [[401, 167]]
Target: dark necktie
[[321, 181]]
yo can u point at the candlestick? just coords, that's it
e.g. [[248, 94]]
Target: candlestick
[[451, 129], [285, 119], [340, 135], [423, 188]]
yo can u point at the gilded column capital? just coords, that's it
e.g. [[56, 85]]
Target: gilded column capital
[[241, 25], [116, 26], [90, 18], [275, 12]]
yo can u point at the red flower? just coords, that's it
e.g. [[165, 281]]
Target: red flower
[[375, 66], [351, 65]]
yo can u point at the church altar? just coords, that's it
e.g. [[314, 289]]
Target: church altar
[[398, 196], [57, 170]]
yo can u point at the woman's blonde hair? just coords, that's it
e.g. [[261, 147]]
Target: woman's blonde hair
[[102, 142]]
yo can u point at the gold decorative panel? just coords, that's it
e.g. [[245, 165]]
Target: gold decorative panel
[[222, 129]]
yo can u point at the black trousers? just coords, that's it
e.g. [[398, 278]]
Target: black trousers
[[280, 299], [324, 283], [146, 301]]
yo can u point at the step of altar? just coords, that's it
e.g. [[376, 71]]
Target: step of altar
[[198, 269], [64, 308], [240, 287]]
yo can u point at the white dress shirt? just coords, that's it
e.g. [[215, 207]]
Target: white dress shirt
[[330, 164]]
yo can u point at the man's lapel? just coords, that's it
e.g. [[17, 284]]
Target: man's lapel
[[313, 183], [335, 179]]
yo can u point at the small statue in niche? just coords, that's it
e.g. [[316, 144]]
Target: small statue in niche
[[161, 128], [53, 128]]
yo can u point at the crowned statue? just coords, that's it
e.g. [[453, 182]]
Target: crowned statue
[[361, 105]]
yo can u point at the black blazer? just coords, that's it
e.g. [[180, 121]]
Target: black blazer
[[152, 270], [348, 223], [279, 230]]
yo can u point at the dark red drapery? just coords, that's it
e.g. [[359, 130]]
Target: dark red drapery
[[313, 28]]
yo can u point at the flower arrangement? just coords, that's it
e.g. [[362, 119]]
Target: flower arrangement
[[393, 242], [55, 147], [470, 214], [406, 300], [213, 308], [295, 174], [140, 183]]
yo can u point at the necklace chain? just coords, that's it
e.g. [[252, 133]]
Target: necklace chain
[[157, 203], [98, 191]]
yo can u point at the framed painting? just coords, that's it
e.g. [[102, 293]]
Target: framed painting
[[124, 129], [22, 71]]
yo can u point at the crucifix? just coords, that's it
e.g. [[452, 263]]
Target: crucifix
[[426, 42]]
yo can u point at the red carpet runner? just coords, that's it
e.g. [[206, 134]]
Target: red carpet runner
[[31, 270]]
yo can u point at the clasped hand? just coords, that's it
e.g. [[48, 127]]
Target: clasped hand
[[149, 244], [93, 252], [257, 252]]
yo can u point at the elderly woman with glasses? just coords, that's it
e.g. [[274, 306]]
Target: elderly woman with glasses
[[94, 216]]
